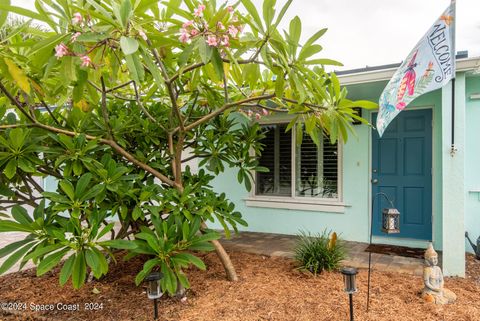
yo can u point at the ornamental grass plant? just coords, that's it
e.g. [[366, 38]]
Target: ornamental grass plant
[[318, 252]]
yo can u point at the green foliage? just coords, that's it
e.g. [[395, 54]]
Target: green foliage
[[109, 100], [319, 252]]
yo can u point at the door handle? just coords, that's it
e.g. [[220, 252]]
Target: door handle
[[374, 181]]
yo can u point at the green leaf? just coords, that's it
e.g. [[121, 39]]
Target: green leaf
[[279, 86], [105, 230], [192, 259], [4, 14], [268, 12], [21, 215], [82, 184], [253, 12], [295, 31], [18, 75], [135, 67], [128, 45], [46, 43], [323, 61], [22, 12], [282, 13], [41, 251], [14, 258], [102, 260], [25, 165], [67, 188], [147, 268], [119, 244], [50, 262], [182, 278], [315, 37], [169, 280], [307, 52], [10, 226], [93, 263], [217, 63], [204, 50], [67, 269], [13, 246], [125, 12], [79, 270], [93, 192]]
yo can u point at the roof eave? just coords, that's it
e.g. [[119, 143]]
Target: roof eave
[[463, 65]]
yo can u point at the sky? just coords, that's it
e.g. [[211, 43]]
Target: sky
[[372, 32]]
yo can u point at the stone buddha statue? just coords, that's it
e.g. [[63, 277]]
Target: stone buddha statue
[[433, 279]]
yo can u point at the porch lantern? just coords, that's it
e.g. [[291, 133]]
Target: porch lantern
[[154, 290], [390, 221], [390, 225]]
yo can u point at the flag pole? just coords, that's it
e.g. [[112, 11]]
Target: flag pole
[[453, 149]]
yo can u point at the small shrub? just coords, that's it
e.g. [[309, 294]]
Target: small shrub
[[318, 252]]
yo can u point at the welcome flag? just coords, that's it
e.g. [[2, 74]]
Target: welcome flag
[[429, 66]]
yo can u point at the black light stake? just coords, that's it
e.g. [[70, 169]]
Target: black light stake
[[349, 276], [390, 225], [154, 291]]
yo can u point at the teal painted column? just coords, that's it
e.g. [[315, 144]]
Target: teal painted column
[[453, 180]]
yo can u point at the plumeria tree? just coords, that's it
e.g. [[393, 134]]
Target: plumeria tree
[[111, 99]]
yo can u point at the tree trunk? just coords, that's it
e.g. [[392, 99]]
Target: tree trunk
[[224, 258]]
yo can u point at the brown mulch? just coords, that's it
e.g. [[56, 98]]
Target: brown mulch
[[396, 250], [270, 288]]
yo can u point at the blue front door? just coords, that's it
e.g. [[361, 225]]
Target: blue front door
[[402, 169]]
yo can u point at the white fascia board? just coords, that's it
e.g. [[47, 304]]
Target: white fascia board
[[467, 64]]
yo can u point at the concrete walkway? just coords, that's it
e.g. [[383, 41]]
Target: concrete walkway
[[283, 245]]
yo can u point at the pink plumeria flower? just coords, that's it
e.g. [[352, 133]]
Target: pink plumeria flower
[[199, 11], [143, 35], [230, 9], [77, 18], [212, 41], [225, 41], [220, 26], [187, 24], [233, 31], [265, 112], [75, 36], [194, 32], [184, 37], [61, 50], [250, 113], [86, 61], [258, 116]]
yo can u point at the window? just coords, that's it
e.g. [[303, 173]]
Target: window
[[311, 173]]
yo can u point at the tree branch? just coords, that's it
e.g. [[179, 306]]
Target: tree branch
[[224, 108], [104, 109], [16, 103]]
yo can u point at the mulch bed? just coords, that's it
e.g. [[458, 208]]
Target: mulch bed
[[270, 288], [396, 250]]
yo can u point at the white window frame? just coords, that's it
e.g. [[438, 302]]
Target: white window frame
[[332, 205]]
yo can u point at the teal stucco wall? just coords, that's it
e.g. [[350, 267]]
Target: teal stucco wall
[[472, 160], [353, 223]]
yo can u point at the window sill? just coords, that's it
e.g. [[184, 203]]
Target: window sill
[[332, 206]]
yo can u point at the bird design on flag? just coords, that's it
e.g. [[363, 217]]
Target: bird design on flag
[[428, 70], [447, 19], [408, 81]]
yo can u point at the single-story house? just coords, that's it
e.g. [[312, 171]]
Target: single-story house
[[436, 191]]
